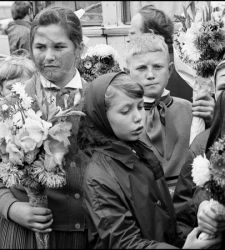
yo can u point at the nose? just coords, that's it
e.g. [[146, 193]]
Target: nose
[[49, 55], [150, 75], [137, 116]]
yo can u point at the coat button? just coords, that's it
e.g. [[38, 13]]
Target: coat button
[[158, 203], [77, 196], [77, 225], [72, 164]]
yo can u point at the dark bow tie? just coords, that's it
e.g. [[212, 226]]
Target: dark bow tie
[[64, 96], [156, 118]]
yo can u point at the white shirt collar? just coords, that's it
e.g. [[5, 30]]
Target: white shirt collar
[[149, 99], [75, 82]]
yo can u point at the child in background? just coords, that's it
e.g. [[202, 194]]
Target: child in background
[[15, 69], [126, 196], [168, 119]]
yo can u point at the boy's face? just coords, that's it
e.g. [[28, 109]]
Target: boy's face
[[220, 82], [152, 70]]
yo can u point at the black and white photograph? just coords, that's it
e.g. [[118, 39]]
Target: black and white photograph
[[112, 124]]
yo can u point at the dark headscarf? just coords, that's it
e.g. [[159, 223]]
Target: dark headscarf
[[97, 132], [218, 125], [95, 102]]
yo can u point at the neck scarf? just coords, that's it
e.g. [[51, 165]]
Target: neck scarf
[[94, 107], [156, 118]]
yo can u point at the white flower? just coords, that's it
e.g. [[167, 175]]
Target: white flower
[[200, 170], [102, 50], [5, 107], [26, 100], [188, 38], [18, 88]]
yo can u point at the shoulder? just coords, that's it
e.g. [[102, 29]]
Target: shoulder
[[181, 101], [182, 106], [99, 171]]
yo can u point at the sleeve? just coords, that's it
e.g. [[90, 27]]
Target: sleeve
[[24, 42], [187, 198], [111, 217], [6, 200]]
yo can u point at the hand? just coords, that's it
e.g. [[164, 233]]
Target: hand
[[37, 219], [208, 221], [192, 241], [203, 107]]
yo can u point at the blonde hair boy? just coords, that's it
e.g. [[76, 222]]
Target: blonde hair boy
[[144, 43]]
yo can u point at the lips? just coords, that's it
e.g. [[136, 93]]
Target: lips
[[150, 84], [138, 130]]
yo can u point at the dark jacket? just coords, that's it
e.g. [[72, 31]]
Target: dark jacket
[[128, 207], [178, 87], [186, 196], [18, 32]]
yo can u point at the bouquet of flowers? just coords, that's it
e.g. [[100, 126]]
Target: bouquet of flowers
[[32, 147], [210, 174], [198, 47], [99, 60]]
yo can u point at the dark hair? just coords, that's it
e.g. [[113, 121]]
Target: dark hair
[[124, 83], [20, 9], [62, 16], [156, 20]]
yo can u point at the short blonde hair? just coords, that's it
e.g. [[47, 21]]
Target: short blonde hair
[[14, 67], [144, 43]]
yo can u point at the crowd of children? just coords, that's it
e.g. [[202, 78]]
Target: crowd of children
[[125, 155]]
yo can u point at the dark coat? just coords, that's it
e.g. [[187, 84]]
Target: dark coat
[[186, 196], [18, 33], [128, 207]]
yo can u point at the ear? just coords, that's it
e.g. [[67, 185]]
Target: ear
[[171, 68]]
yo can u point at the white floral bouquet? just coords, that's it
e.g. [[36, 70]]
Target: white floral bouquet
[[32, 147], [199, 45], [98, 60], [210, 174]]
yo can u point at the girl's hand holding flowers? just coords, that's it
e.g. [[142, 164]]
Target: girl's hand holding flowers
[[203, 107], [208, 221], [37, 219]]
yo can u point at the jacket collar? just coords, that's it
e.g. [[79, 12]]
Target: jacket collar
[[120, 152], [20, 22]]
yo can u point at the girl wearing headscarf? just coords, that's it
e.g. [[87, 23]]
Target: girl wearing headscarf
[[125, 193], [191, 204]]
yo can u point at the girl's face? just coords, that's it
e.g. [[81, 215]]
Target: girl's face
[[220, 82], [7, 85], [126, 116], [55, 54]]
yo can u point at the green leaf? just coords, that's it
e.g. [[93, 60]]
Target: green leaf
[[61, 132]]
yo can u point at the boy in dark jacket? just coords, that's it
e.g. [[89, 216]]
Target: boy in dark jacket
[[18, 30]]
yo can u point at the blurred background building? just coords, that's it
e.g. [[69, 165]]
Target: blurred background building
[[104, 21]]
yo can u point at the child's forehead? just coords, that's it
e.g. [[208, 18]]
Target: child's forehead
[[153, 56], [53, 33]]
